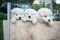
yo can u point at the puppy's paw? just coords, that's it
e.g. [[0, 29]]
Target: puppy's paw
[[13, 20], [34, 21], [24, 19]]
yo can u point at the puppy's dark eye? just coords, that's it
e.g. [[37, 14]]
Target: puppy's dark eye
[[45, 16], [16, 14]]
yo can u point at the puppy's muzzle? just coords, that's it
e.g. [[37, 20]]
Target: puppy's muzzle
[[29, 16]]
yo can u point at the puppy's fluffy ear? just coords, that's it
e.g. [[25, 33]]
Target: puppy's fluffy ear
[[13, 20]]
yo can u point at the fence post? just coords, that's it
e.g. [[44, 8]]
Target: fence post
[[8, 18]]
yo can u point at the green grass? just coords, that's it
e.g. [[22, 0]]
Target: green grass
[[2, 17], [1, 24], [1, 30]]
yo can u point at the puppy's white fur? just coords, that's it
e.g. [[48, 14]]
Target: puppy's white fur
[[41, 31], [19, 31], [45, 15], [31, 15], [18, 28], [16, 14]]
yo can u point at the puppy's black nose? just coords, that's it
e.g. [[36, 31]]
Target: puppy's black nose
[[49, 20], [29, 16], [20, 18]]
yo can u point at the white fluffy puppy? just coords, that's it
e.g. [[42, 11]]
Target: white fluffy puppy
[[45, 15], [17, 14], [18, 28], [41, 31], [31, 15]]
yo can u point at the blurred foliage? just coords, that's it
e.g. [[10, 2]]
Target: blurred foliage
[[58, 6], [48, 6], [1, 30], [3, 16], [55, 6], [30, 1], [37, 7], [1, 24], [1, 34]]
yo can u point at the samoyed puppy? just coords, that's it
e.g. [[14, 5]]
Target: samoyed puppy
[[16, 14], [31, 16], [42, 31], [18, 28], [45, 15]]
